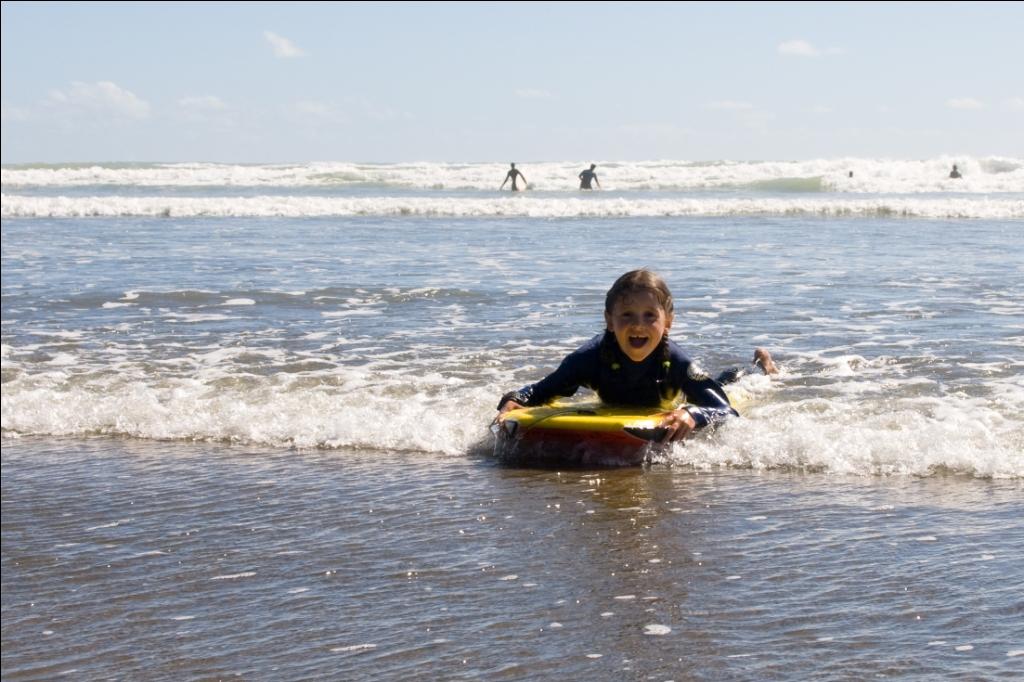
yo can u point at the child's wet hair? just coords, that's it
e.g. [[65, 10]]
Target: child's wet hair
[[637, 281]]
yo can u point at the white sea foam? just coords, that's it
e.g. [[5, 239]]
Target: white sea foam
[[62, 359], [353, 647], [113, 524], [234, 576], [656, 629], [980, 175], [18, 206], [908, 436], [281, 411]]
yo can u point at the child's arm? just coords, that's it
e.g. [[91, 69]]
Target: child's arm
[[707, 402], [708, 405], [564, 381], [558, 383]]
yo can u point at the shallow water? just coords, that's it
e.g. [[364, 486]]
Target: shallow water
[[166, 560], [394, 333]]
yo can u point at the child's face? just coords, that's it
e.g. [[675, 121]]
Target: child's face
[[639, 323]]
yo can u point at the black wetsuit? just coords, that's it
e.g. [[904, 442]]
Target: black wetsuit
[[658, 380], [586, 177], [514, 175]]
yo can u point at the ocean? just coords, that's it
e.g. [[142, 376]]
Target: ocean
[[245, 418]]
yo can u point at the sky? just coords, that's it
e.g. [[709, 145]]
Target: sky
[[267, 82]]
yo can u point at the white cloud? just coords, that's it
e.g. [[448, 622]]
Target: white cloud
[[102, 97], [1015, 104], [11, 114], [729, 105], [821, 109], [528, 93], [964, 103], [798, 48], [283, 47]]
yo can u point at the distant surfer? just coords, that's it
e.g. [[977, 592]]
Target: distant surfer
[[955, 173], [514, 175], [588, 176]]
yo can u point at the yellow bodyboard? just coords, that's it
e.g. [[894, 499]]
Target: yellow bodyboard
[[588, 416], [580, 433]]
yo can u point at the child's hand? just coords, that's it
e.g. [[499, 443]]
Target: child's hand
[[679, 423], [509, 405]]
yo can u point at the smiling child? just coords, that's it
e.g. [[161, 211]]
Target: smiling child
[[634, 363]]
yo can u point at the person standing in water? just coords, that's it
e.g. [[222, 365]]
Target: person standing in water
[[514, 175], [954, 173], [588, 176]]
